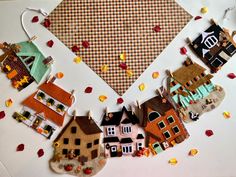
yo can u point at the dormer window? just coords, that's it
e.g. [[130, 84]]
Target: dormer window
[[111, 131], [50, 102], [126, 129], [41, 95], [153, 115], [60, 108]]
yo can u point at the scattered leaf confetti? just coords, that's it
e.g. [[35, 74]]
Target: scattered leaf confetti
[[59, 75], [77, 60], [231, 76], [102, 98], [123, 56], [209, 133], [123, 66], [173, 161], [129, 73], [75, 48], [85, 44], [183, 51], [88, 90], [193, 152], [8, 102], [120, 100], [142, 87], [20, 147], [50, 43], [157, 28], [197, 18], [2, 114], [227, 115], [104, 68], [35, 19], [40, 152], [46, 23], [204, 10], [155, 75]]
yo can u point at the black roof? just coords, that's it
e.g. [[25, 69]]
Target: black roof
[[126, 121], [110, 139], [114, 118], [140, 136], [126, 140]]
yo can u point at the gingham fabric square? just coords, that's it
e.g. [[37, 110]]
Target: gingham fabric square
[[112, 27]]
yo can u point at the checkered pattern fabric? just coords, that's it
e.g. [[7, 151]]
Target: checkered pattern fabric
[[112, 27]]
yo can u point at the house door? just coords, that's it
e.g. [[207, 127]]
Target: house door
[[94, 154], [37, 122], [113, 151], [157, 147]]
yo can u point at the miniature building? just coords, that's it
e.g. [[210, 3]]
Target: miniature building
[[23, 63], [79, 139], [189, 83], [214, 46], [161, 123], [121, 133], [45, 109]]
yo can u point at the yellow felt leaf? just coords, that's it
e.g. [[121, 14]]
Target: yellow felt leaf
[[123, 56], [129, 73], [104, 68], [226, 114], [77, 60], [193, 152], [173, 161], [204, 10], [102, 98], [155, 75], [8, 102], [142, 87]]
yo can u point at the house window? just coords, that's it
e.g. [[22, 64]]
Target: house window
[[110, 131], [231, 49], [161, 125], [77, 152], [189, 83], [127, 149], [193, 92], [203, 74], [176, 129], [77, 141], [96, 141], [26, 114], [89, 145], [153, 115], [196, 78], [60, 108], [217, 63], [113, 148], [173, 83], [64, 151], [126, 129], [139, 146], [170, 120], [73, 129], [181, 88], [211, 41], [66, 140], [208, 82], [166, 134]]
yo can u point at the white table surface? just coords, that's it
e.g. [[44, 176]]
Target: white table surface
[[217, 154]]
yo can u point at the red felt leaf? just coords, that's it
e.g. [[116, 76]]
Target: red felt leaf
[[75, 48], [2, 114], [183, 51], [120, 100], [40, 152], [231, 75], [85, 44], [46, 23], [209, 133], [50, 43], [20, 147], [123, 66], [157, 28], [88, 90], [35, 19], [197, 18]]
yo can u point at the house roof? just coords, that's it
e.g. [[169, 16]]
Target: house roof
[[38, 69], [140, 136], [88, 126], [114, 118], [56, 92], [110, 139], [37, 106], [126, 140]]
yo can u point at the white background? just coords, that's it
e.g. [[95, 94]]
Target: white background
[[217, 154]]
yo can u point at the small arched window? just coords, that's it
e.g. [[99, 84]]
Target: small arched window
[[153, 115]]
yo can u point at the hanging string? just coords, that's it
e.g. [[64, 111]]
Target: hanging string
[[41, 11]]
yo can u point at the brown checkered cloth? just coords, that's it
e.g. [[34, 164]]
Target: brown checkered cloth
[[112, 27]]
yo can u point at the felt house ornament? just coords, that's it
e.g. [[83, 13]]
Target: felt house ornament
[[162, 125], [215, 46], [121, 133], [23, 63], [192, 91], [45, 109], [78, 146]]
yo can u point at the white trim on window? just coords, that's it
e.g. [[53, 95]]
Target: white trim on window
[[168, 133], [169, 118], [111, 131], [160, 126], [113, 148], [127, 149], [221, 63], [174, 130], [139, 145], [126, 129]]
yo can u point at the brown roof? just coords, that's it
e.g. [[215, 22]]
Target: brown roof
[[37, 106], [56, 92], [88, 126]]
